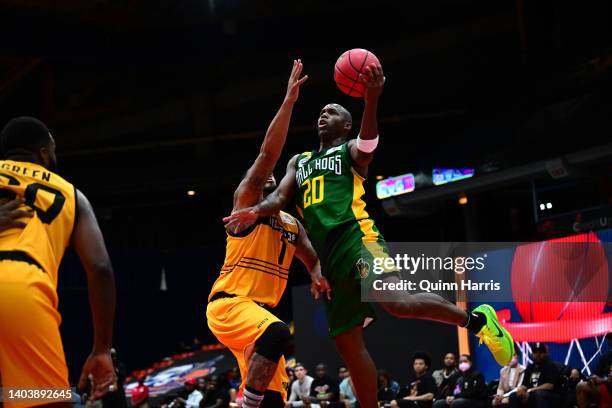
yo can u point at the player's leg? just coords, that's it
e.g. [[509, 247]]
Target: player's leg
[[31, 351], [352, 349], [424, 306], [264, 365], [258, 339], [347, 315], [482, 321]]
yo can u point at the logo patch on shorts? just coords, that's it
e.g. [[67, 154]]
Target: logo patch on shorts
[[363, 267], [262, 322]]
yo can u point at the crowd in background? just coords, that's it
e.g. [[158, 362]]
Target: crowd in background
[[458, 383]]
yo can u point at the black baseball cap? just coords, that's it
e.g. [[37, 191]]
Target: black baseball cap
[[541, 347]]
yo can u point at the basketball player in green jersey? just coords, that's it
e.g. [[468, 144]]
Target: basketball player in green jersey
[[329, 183]]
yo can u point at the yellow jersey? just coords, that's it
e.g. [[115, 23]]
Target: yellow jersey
[[53, 199], [257, 260]]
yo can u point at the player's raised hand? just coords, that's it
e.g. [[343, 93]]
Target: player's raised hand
[[238, 219], [98, 367], [293, 88], [10, 214], [374, 80]]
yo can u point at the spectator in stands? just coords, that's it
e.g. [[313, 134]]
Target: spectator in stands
[[449, 368], [574, 378], [510, 378], [385, 388], [217, 394], [300, 387], [598, 387], [323, 389], [140, 394], [421, 391], [202, 385], [347, 391], [170, 401], [342, 373], [194, 396], [290, 374], [196, 344], [540, 383], [468, 389], [233, 378]]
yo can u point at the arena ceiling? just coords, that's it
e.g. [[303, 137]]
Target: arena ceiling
[[147, 99]]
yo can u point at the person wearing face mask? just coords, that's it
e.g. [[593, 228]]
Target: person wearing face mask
[[468, 388], [510, 378]]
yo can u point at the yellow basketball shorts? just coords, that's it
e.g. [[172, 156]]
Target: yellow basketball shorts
[[31, 351], [237, 323]]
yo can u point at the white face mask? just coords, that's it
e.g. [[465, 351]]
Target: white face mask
[[464, 366]]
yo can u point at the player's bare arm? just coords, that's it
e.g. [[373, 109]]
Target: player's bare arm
[[308, 256], [272, 204], [362, 151], [11, 216], [250, 189], [89, 244]]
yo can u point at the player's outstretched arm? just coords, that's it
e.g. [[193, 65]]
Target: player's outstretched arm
[[362, 148], [306, 253], [272, 204], [250, 188], [89, 244]]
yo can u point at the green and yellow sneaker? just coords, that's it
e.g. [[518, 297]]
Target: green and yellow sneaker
[[497, 339]]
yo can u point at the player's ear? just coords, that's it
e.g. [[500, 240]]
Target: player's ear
[[44, 154], [348, 126]]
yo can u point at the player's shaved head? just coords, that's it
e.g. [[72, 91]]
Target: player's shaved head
[[24, 133], [344, 112], [28, 139]]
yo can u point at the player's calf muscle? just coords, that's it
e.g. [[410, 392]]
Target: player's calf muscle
[[261, 372]]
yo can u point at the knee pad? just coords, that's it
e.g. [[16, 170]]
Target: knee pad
[[274, 341]]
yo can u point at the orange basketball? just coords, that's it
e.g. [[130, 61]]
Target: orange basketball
[[347, 70]]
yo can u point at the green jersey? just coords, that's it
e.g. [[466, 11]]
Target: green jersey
[[330, 192]]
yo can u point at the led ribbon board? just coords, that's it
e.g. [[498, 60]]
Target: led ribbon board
[[443, 176], [394, 186]]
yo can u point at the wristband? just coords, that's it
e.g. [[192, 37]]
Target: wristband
[[367, 146]]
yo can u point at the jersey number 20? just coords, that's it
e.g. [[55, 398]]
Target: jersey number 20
[[315, 191]]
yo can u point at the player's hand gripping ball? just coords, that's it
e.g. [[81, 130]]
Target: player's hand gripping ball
[[349, 66]]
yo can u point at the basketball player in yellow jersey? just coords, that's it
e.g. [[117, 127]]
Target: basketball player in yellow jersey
[[255, 273], [31, 352]]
